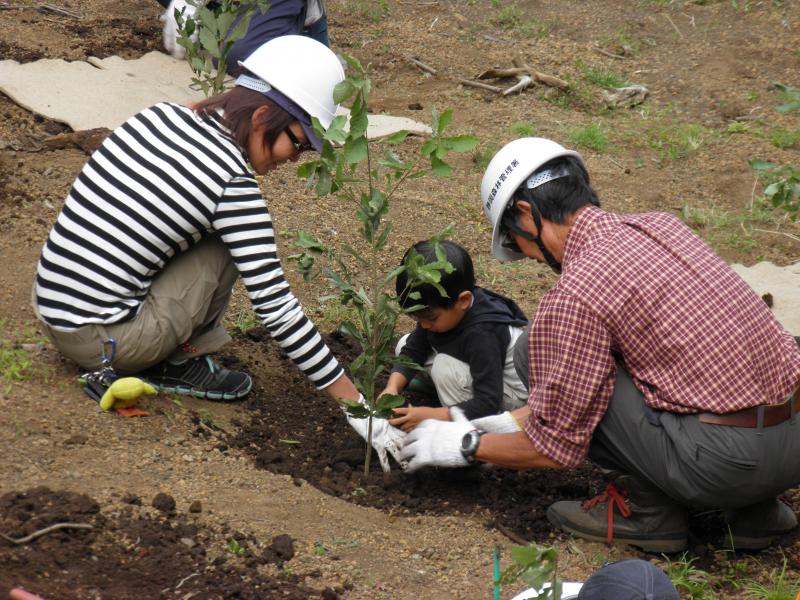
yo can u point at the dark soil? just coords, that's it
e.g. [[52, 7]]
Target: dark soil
[[134, 553], [317, 446]]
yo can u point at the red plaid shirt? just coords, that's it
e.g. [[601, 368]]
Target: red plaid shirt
[[693, 335]]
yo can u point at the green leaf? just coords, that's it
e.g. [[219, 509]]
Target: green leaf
[[343, 91], [440, 168], [290, 442], [428, 148], [462, 143], [355, 150], [304, 240], [444, 120], [385, 405], [396, 138], [209, 42], [355, 409], [760, 165]]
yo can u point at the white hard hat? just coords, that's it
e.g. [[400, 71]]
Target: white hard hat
[[302, 69], [509, 168]]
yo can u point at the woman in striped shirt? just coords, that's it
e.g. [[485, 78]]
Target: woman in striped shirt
[[166, 215]]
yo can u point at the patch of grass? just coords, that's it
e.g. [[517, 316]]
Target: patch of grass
[[235, 547], [373, 10], [778, 588], [247, 319], [690, 581], [483, 154], [330, 314], [511, 17], [593, 137], [523, 129], [674, 143], [601, 76], [15, 363], [784, 138], [735, 127]]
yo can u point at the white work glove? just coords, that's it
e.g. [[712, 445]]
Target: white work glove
[[170, 29], [502, 423], [435, 443], [385, 437]]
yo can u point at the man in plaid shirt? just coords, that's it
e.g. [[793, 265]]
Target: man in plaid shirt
[[649, 356]]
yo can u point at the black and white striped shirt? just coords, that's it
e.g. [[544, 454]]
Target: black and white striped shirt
[[159, 183]]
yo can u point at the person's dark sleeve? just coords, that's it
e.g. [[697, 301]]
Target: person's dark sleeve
[[485, 350], [418, 349], [284, 17]]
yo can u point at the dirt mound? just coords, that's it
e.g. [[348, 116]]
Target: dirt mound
[[132, 553]]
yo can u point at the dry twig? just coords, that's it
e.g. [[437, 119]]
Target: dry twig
[[607, 53], [483, 86], [418, 63], [41, 532], [675, 27], [510, 534], [42, 8]]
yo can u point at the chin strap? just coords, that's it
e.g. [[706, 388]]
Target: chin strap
[[536, 239]]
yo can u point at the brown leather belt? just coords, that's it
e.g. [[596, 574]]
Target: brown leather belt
[[770, 414]]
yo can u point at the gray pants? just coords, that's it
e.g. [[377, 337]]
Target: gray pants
[[180, 318], [453, 380], [697, 464]]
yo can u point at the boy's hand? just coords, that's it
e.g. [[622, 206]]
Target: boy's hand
[[408, 417]]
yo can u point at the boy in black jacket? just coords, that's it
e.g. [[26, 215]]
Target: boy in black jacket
[[465, 341]]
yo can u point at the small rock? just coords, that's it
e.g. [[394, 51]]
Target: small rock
[[196, 507], [164, 502], [188, 542]]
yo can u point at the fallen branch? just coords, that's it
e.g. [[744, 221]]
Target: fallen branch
[[510, 534], [483, 86], [42, 8], [524, 82], [607, 53], [675, 27], [418, 63], [789, 235], [46, 530]]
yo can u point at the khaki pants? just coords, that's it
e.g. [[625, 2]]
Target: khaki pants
[[180, 318], [453, 380]]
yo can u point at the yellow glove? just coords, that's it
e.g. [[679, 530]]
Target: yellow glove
[[125, 392]]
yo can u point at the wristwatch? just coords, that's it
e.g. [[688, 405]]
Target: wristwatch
[[469, 445]]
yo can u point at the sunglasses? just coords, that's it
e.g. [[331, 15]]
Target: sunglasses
[[298, 145]]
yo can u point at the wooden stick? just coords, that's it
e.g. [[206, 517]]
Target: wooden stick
[[607, 53], [42, 8], [483, 86], [41, 532], [504, 73], [550, 80], [524, 82], [671, 22], [510, 534], [421, 65]]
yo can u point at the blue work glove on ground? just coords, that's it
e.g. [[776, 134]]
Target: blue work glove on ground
[[435, 443]]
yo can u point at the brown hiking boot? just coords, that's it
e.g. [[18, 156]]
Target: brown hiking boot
[[628, 512], [757, 526]]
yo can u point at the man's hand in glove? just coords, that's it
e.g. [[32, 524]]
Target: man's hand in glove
[[170, 29], [385, 438], [436, 444], [503, 423]]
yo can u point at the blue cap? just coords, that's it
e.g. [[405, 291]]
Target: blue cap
[[632, 579]]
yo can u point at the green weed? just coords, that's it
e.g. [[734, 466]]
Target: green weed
[[320, 549], [674, 143], [693, 583], [374, 10], [246, 320], [523, 129], [784, 138], [593, 137], [482, 155], [601, 76], [779, 587], [235, 547], [737, 127]]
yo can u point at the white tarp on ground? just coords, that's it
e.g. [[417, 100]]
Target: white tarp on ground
[[105, 92], [783, 284]]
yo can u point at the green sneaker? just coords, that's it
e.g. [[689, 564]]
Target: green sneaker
[[200, 377]]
